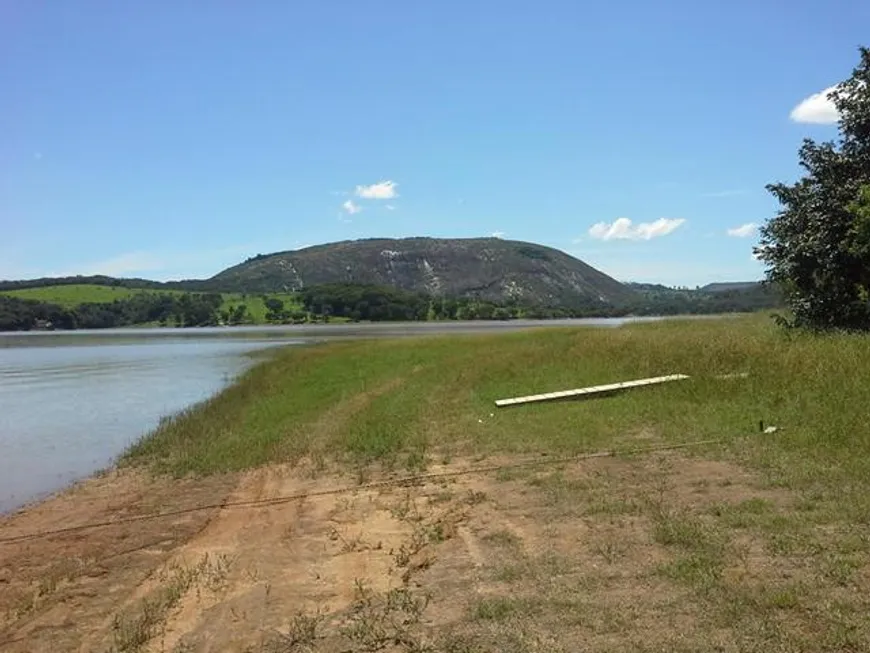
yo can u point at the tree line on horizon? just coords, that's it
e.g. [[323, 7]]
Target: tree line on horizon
[[183, 310], [355, 302]]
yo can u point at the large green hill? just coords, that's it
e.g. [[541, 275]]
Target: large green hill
[[483, 268]]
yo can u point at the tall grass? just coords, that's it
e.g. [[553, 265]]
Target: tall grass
[[381, 400]]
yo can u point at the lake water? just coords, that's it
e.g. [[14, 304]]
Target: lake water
[[70, 402]]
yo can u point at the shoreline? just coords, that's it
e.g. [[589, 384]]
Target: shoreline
[[311, 334], [755, 538], [387, 326]]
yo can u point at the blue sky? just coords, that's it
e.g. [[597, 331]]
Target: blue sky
[[170, 139]]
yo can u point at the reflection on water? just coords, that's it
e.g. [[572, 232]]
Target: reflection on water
[[70, 402]]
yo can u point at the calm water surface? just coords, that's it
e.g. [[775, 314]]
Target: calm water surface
[[70, 402]]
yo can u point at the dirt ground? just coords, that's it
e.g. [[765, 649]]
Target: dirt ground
[[662, 552]]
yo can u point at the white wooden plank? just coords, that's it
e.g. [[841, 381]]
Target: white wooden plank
[[592, 390]]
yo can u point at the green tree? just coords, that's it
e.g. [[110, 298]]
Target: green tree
[[817, 248], [239, 314], [274, 309]]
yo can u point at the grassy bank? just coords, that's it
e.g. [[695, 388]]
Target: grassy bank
[[409, 399], [760, 542], [72, 295]]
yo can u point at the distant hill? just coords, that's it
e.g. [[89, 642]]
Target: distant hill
[[483, 268], [731, 285], [502, 272], [194, 285], [713, 298]]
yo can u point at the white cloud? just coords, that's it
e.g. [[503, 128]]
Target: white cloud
[[624, 229], [743, 231], [351, 208], [383, 190], [498, 234], [817, 109], [390, 207]]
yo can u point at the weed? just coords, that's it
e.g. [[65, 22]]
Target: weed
[[698, 570], [437, 532], [441, 497], [509, 573], [610, 549], [503, 538], [348, 544], [378, 622], [475, 497], [414, 545], [406, 509], [130, 633], [494, 609], [301, 634]]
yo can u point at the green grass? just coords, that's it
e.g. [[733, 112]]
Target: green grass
[[376, 400], [70, 296], [256, 304]]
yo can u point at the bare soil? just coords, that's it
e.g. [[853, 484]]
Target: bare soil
[[655, 553]]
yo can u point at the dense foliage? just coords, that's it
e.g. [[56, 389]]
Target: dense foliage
[[818, 247], [187, 309], [25, 314], [357, 302], [662, 300], [364, 302]]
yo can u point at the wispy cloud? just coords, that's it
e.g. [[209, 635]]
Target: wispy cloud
[[383, 190], [498, 234], [350, 208], [390, 207], [725, 193], [743, 231], [816, 109], [625, 229]]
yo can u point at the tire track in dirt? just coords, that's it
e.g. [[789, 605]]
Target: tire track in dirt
[[277, 560], [284, 559], [56, 591]]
